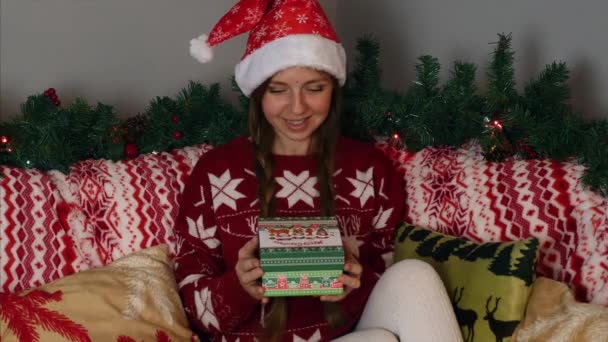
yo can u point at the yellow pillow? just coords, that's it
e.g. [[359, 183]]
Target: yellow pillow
[[133, 299], [488, 283]]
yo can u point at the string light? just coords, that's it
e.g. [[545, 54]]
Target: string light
[[3, 139]]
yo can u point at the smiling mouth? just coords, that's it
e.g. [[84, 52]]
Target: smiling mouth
[[296, 123]]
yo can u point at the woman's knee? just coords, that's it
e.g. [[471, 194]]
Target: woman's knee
[[413, 270]]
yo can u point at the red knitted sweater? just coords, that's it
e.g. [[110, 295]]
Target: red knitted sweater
[[218, 215]]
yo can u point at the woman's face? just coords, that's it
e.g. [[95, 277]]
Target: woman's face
[[295, 103]]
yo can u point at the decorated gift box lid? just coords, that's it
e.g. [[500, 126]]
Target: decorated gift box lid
[[301, 256]]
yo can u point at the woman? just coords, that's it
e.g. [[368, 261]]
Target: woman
[[294, 164]]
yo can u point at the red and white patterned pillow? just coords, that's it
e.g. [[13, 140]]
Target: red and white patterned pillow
[[457, 192], [35, 247], [117, 208]]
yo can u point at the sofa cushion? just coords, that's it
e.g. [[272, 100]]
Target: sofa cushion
[[35, 247], [133, 299], [116, 208], [488, 283], [552, 314], [457, 192]]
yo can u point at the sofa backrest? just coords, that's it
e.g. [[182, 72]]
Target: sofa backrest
[[110, 209], [35, 248], [457, 192], [126, 206]]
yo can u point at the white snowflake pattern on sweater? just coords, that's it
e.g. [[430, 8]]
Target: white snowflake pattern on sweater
[[204, 308], [297, 188], [223, 190], [364, 185]]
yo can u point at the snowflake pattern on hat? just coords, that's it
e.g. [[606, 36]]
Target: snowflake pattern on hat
[[282, 33]]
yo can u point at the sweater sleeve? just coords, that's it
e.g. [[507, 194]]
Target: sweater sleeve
[[212, 296], [389, 201]]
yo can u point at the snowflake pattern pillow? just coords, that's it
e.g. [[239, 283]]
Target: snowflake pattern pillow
[[133, 299]]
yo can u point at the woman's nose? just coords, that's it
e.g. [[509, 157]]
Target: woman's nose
[[298, 103]]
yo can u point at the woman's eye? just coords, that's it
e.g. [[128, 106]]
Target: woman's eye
[[275, 90], [317, 89]]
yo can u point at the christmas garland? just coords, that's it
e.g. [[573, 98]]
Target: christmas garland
[[536, 124]]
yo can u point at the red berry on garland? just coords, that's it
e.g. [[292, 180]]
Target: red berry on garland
[[177, 135], [527, 150], [52, 95], [131, 150], [175, 118]]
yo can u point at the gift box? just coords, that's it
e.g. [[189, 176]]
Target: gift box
[[300, 256]]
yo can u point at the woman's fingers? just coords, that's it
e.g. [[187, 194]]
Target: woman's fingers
[[248, 270], [332, 298], [353, 268], [349, 282], [252, 276], [248, 250], [246, 265], [351, 278]]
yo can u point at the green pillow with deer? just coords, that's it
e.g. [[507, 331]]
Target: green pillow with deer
[[488, 283]]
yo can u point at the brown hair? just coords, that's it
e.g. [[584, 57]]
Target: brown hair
[[323, 145]]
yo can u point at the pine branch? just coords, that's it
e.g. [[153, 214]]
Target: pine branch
[[547, 95], [501, 94], [422, 105], [45, 136], [367, 73], [462, 106]]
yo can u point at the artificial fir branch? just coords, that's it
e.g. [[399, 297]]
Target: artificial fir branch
[[594, 155], [427, 80], [539, 123], [423, 99], [51, 137], [365, 102], [462, 106], [501, 93], [366, 75], [547, 95]]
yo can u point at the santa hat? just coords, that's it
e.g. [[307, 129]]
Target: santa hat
[[282, 34]]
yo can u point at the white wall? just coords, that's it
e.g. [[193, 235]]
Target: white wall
[[124, 53], [543, 31], [119, 52]]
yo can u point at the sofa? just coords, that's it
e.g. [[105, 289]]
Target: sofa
[[67, 240]]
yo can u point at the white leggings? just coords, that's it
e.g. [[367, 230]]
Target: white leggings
[[409, 303]]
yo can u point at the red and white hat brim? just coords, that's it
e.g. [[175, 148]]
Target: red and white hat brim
[[309, 50]]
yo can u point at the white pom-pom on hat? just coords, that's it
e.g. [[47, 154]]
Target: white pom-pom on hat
[[200, 49]]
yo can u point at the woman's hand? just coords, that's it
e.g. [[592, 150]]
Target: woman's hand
[[350, 278], [249, 272]]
